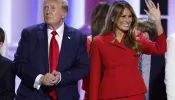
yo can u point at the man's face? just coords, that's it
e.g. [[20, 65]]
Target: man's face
[[53, 12]]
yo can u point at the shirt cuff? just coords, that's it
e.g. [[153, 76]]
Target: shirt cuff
[[60, 79], [37, 82]]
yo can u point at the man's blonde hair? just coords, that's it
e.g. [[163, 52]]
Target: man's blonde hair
[[64, 4]]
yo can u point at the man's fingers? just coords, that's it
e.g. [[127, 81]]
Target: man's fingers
[[56, 73], [53, 71], [49, 77], [48, 84], [55, 81]]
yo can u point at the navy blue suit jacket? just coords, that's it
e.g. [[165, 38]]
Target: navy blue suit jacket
[[31, 59]]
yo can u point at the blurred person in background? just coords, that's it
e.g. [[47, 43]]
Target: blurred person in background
[[152, 67], [7, 77], [97, 23]]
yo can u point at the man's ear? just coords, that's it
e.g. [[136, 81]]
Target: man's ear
[[64, 14]]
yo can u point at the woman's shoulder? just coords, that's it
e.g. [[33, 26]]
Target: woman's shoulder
[[97, 39]]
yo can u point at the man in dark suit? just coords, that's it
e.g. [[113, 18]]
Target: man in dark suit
[[7, 78], [157, 88], [152, 67], [51, 57]]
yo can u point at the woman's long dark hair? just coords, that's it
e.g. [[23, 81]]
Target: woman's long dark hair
[[98, 18]]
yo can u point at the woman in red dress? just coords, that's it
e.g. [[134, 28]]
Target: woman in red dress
[[97, 23], [115, 52]]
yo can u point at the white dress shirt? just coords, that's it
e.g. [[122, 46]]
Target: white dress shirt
[[170, 68], [59, 38]]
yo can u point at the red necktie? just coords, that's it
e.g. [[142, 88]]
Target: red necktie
[[53, 59]]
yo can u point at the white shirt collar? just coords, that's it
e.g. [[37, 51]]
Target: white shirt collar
[[60, 30]]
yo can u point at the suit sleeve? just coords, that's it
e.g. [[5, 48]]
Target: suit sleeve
[[21, 61], [95, 72], [150, 47], [81, 66], [170, 68], [85, 83]]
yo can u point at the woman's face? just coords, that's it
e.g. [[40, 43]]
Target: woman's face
[[125, 20]]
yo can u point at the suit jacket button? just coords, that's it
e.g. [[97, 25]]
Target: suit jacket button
[[68, 72]]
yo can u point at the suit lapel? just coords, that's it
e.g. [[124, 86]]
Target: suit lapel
[[66, 48], [43, 41], [110, 38]]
